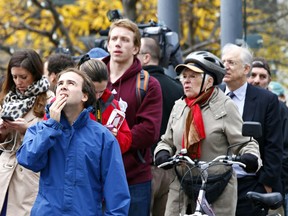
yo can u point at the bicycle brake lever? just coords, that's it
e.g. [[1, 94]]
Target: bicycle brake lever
[[170, 161], [166, 163], [240, 164], [233, 162]]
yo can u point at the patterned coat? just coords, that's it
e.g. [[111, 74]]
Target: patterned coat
[[223, 126], [21, 183]]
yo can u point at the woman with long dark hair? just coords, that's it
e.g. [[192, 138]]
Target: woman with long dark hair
[[25, 93]]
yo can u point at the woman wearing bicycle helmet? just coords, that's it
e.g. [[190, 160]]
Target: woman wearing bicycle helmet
[[205, 122]]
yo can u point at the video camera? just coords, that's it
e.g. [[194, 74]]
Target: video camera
[[168, 40]]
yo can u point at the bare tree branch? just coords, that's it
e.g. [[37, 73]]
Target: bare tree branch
[[271, 19], [58, 24]]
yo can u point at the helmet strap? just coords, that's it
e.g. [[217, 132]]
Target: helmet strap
[[202, 84]]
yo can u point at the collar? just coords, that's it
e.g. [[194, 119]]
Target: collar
[[106, 95], [130, 72], [154, 69], [240, 92], [80, 122]]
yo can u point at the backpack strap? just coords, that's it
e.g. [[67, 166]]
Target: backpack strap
[[141, 85], [141, 88], [101, 107]]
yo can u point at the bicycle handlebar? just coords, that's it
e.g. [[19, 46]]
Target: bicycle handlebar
[[182, 157]]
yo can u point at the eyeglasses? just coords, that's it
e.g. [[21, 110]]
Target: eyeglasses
[[230, 62], [191, 77]]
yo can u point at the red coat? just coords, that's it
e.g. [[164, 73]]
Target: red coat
[[108, 103]]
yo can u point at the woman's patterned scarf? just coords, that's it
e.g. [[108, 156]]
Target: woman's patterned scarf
[[17, 104], [194, 130]]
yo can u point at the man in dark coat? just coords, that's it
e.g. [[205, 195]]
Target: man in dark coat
[[172, 90], [261, 76], [260, 105]]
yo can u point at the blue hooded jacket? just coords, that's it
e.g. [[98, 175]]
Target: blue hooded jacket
[[81, 167]]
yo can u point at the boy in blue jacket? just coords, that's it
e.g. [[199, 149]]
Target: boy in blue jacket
[[79, 159]]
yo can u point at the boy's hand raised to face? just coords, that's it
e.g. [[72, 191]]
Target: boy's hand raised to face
[[57, 106]]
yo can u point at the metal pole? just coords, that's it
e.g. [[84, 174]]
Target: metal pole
[[245, 21], [231, 21], [168, 14]]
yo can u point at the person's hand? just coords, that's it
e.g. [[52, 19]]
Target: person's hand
[[4, 131], [162, 157], [2, 124], [113, 130], [18, 124], [251, 162], [57, 106]]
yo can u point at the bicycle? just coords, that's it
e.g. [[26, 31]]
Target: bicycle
[[202, 206], [265, 201]]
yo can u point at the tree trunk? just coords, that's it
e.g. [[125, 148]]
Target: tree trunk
[[129, 7]]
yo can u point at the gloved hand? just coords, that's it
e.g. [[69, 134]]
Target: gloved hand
[[251, 162], [162, 157]]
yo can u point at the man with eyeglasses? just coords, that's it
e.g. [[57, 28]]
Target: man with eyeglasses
[[254, 104]]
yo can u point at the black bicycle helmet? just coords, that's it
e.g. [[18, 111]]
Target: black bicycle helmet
[[211, 64]]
